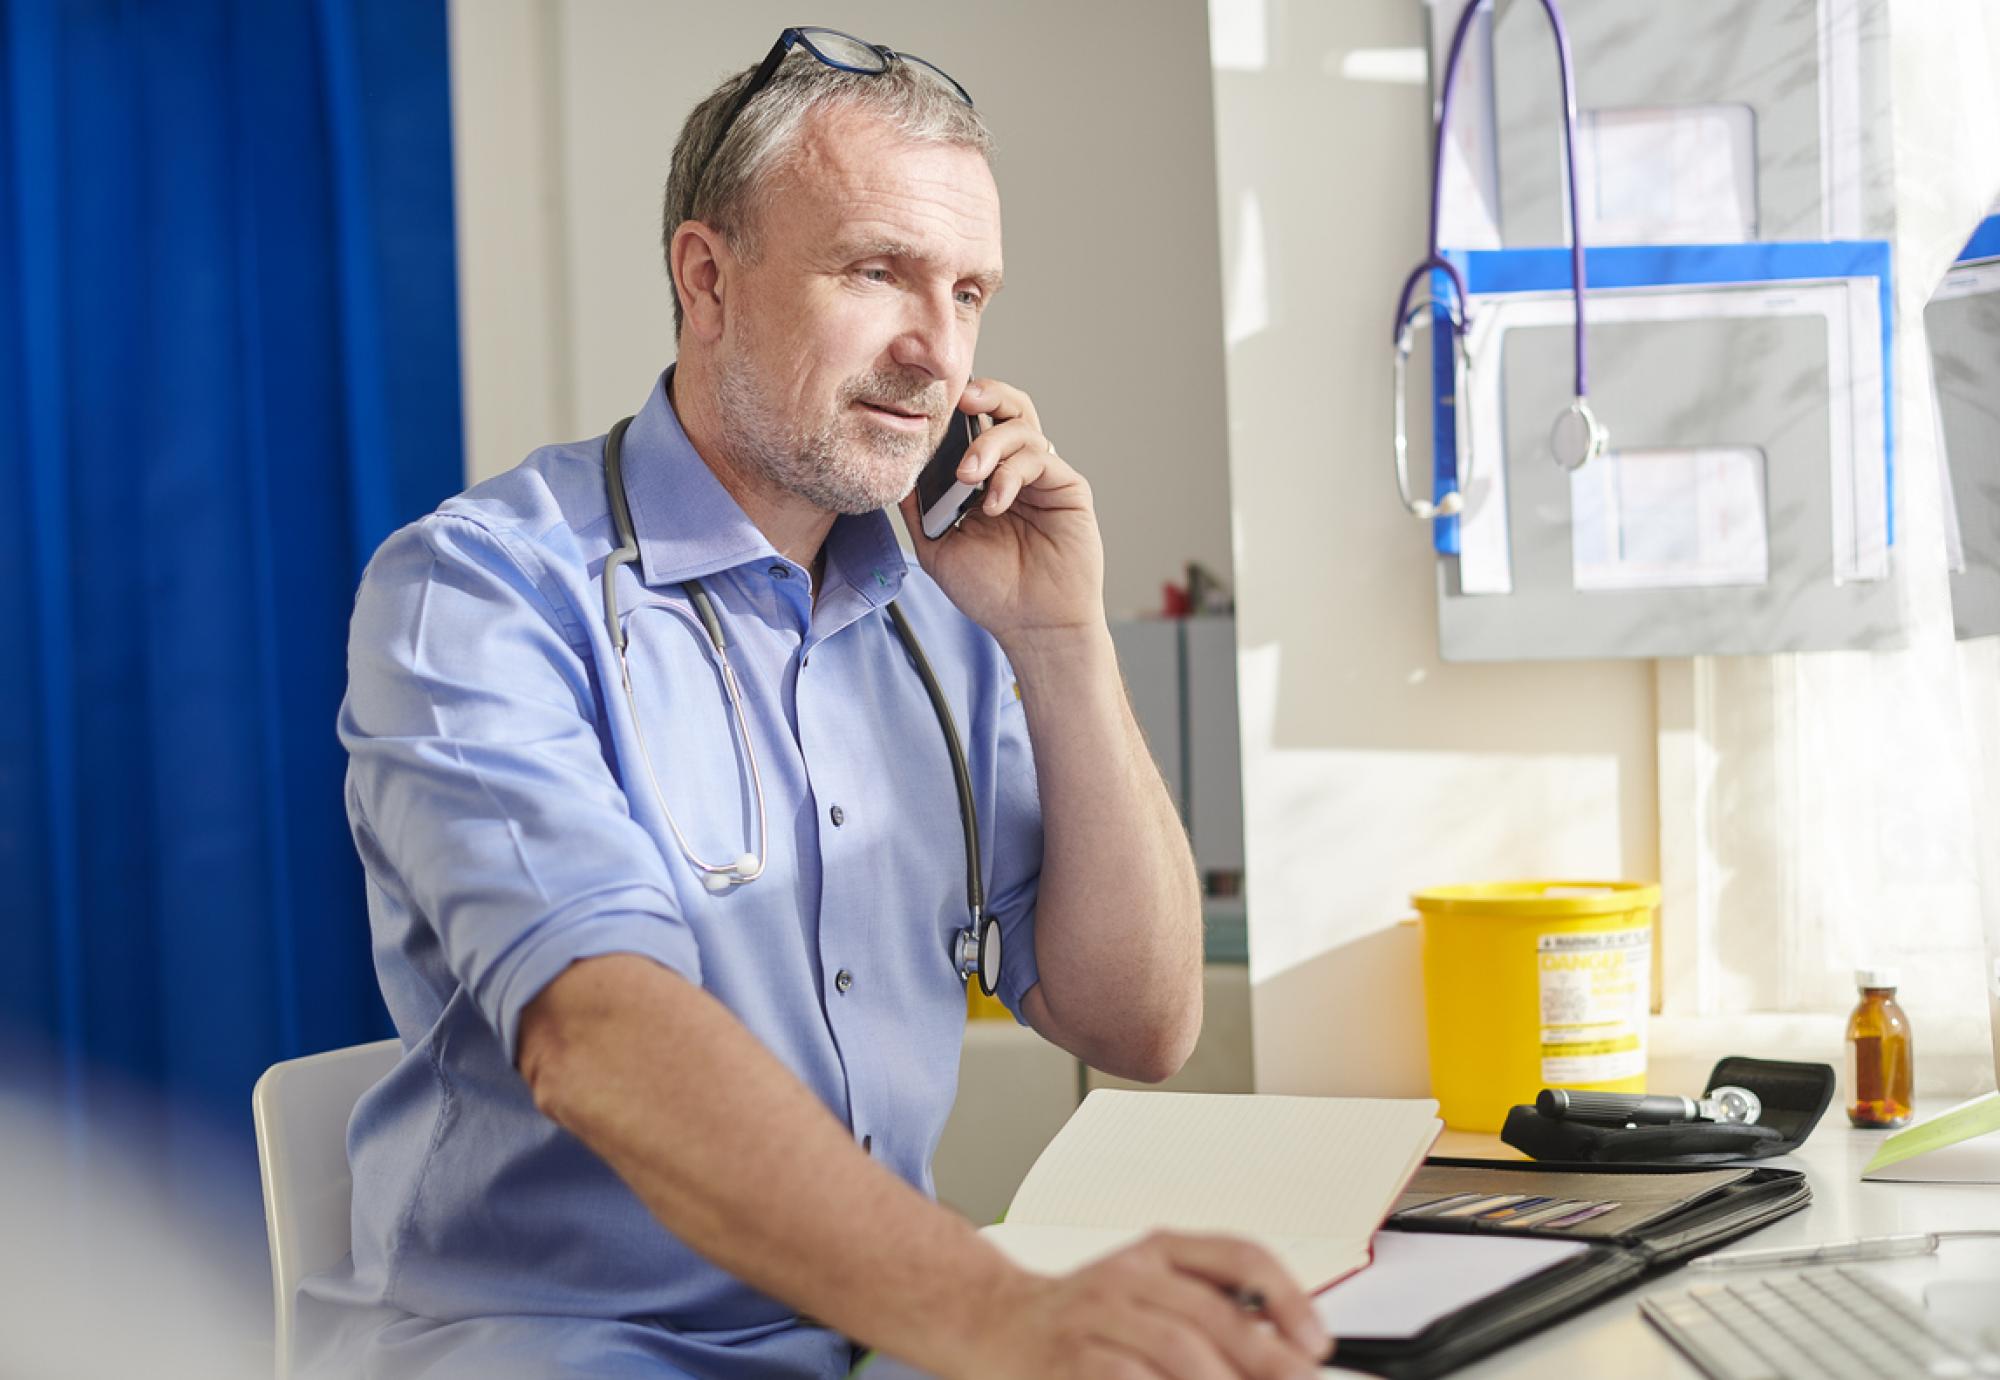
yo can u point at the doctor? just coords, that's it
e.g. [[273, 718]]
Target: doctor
[[652, 1121]]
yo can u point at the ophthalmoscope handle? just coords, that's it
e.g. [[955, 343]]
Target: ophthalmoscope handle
[[1615, 1108]]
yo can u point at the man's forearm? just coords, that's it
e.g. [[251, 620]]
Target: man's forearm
[[740, 1161], [1118, 914]]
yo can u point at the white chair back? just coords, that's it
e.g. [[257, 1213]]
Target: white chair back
[[301, 1108]]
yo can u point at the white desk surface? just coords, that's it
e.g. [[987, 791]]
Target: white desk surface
[[1612, 1339]]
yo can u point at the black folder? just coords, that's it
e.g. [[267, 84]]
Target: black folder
[[1686, 1210]]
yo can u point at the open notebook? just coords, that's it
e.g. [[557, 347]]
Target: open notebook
[[1308, 1178]]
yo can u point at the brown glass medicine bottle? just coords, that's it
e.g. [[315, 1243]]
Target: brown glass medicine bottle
[[1879, 1057]]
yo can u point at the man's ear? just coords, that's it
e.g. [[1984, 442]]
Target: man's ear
[[701, 262]]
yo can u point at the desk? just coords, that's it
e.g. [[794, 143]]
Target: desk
[[1612, 1339]]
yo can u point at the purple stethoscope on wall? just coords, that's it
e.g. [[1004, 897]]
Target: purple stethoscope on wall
[[1578, 437]]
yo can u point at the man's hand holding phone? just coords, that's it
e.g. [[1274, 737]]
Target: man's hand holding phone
[[1026, 559]]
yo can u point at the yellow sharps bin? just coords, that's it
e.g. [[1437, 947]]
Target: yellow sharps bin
[[1531, 985], [980, 1007]]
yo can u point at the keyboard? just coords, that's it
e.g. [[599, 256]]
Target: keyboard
[[1809, 1324]]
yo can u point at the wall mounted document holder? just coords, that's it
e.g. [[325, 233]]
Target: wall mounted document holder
[[1699, 121], [1962, 325], [1745, 505]]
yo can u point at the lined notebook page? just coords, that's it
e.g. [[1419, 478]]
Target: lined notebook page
[[1314, 1173], [1312, 1262]]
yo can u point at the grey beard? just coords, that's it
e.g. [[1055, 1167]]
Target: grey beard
[[834, 472]]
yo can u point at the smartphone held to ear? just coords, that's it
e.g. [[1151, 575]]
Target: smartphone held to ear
[[942, 497]]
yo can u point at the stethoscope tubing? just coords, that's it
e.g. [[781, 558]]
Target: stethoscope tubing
[[1445, 95], [1572, 449], [1569, 171], [625, 554], [982, 931], [968, 814], [733, 692]]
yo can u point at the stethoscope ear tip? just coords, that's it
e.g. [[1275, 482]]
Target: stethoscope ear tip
[[1451, 505], [746, 868]]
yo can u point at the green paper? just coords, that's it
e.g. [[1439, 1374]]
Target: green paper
[[1974, 1118]]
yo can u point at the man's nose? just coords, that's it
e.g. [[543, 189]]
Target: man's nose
[[932, 338]]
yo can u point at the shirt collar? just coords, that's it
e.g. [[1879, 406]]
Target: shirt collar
[[689, 526]]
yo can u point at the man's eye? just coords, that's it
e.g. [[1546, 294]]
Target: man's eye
[[875, 275], [970, 297]]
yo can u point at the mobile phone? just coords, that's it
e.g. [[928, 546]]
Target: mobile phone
[[942, 497]]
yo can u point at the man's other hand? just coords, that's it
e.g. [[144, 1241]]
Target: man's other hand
[[1164, 1308]]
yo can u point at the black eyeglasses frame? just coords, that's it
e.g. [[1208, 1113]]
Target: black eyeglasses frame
[[800, 36]]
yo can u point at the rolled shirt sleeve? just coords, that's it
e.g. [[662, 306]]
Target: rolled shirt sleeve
[[478, 778]]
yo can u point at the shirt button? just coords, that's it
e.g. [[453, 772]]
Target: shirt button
[[781, 572], [837, 815], [843, 980]]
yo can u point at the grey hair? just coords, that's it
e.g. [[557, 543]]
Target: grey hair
[[730, 192]]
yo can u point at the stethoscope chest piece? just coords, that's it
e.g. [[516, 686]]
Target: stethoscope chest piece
[[1577, 438], [978, 954]]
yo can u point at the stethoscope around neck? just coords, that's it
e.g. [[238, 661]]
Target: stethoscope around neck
[[976, 948], [1577, 437]]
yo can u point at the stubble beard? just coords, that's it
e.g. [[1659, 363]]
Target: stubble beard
[[842, 463]]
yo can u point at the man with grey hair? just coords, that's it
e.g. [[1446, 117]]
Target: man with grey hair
[[660, 1114]]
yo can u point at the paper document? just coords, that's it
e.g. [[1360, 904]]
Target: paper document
[[1947, 1149], [1310, 1178], [1419, 1277], [1670, 519], [1842, 193], [1683, 174]]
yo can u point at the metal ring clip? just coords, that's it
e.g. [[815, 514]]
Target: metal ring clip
[[1452, 501]]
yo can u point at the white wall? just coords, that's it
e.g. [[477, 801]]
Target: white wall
[[565, 116], [1371, 769]]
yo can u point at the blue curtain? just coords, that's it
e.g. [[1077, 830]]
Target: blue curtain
[[228, 369]]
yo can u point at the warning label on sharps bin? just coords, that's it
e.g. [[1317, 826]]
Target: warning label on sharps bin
[[1596, 989]]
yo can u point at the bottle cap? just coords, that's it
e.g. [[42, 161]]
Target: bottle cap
[[1875, 977]]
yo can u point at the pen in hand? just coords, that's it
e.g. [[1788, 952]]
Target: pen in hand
[[1252, 1300]]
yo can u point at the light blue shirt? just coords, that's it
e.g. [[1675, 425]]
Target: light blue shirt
[[507, 827]]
